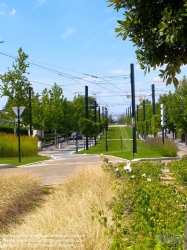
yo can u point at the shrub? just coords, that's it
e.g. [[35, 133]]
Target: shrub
[[179, 170], [169, 148], [145, 212]]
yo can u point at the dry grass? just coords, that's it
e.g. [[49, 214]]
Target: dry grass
[[68, 214], [16, 192]]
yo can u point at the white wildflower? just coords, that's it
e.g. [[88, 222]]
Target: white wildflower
[[128, 167], [149, 179], [117, 169], [132, 176], [144, 175]]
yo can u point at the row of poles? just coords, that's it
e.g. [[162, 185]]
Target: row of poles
[[104, 110], [133, 109], [128, 110], [104, 113]]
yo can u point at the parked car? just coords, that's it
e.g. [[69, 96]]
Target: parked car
[[62, 139], [77, 136], [70, 138]]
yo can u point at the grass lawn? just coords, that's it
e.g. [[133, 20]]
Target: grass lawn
[[14, 161], [119, 140]]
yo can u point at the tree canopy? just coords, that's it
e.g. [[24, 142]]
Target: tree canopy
[[158, 29], [15, 85]]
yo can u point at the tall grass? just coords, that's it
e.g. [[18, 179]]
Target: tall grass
[[168, 148], [69, 212], [9, 145], [16, 192]]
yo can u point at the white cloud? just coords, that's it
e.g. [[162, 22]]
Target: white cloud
[[41, 1], [13, 12], [68, 33], [118, 72], [156, 79], [3, 4], [62, 2]]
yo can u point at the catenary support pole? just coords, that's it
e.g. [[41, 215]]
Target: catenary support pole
[[30, 110], [133, 108], [18, 133], [86, 111], [153, 99], [95, 105]]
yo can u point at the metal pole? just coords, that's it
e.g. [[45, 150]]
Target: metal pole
[[103, 113], [163, 135], [153, 99], [106, 142], [30, 110], [86, 111], [133, 107], [106, 112], [143, 110], [99, 115], [18, 133], [95, 104], [137, 113]]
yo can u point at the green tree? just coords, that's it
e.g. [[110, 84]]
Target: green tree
[[176, 107], [158, 29], [169, 101], [78, 105], [15, 85]]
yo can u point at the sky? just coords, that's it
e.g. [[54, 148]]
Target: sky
[[74, 44]]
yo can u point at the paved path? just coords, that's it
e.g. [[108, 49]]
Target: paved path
[[64, 163]]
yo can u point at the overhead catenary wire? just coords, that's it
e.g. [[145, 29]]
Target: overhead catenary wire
[[77, 79]]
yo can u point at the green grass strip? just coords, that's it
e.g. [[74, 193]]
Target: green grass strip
[[14, 161], [119, 140]]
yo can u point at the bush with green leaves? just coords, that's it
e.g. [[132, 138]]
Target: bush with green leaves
[[146, 214], [179, 170]]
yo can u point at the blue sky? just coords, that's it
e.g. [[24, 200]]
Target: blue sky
[[74, 38]]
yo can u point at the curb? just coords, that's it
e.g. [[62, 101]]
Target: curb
[[6, 166]]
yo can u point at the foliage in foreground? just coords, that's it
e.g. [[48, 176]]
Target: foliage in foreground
[[179, 170], [146, 214], [158, 30], [9, 145], [169, 148]]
